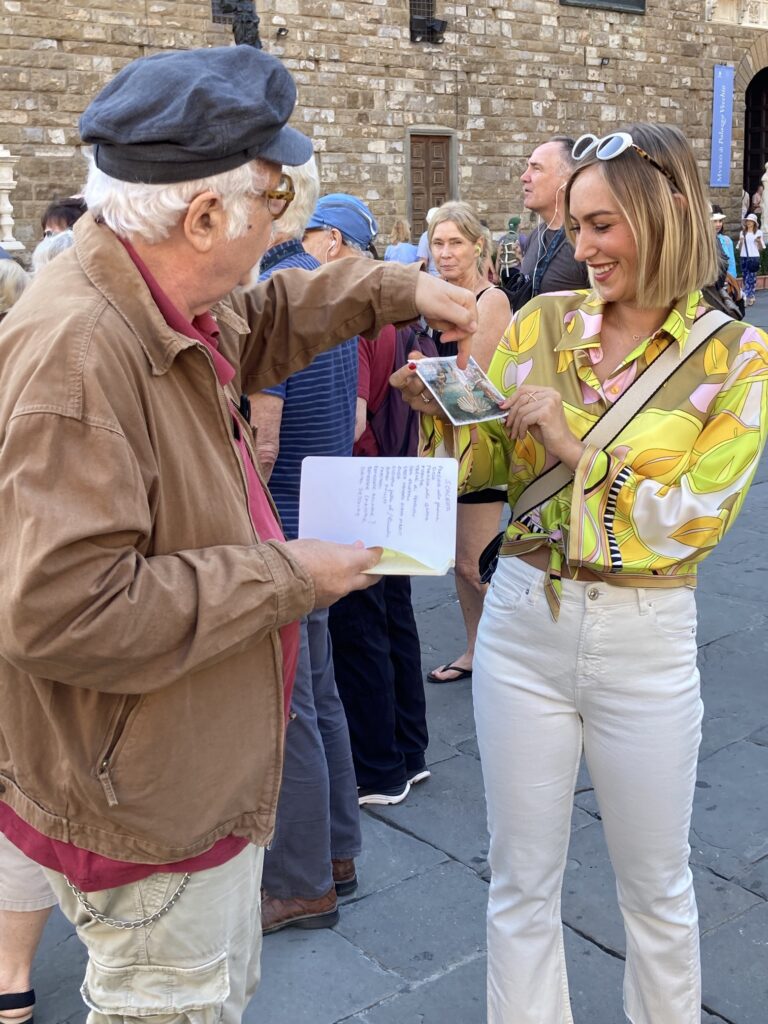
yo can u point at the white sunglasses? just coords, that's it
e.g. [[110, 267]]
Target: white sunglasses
[[614, 145]]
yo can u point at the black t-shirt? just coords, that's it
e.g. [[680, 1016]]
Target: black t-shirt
[[564, 272]]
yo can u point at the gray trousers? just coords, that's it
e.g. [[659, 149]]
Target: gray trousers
[[318, 817]]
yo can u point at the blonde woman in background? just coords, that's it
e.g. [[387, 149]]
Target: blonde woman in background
[[401, 249], [460, 246]]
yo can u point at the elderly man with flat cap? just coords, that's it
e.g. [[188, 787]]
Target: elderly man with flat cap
[[149, 603]]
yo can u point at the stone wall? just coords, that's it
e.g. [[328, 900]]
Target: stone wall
[[509, 73], [53, 58]]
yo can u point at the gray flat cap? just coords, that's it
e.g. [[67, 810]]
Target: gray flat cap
[[189, 114]]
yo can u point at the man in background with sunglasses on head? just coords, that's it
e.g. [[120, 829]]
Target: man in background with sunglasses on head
[[548, 260], [149, 604]]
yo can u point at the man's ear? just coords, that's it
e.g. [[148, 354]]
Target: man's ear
[[204, 221]]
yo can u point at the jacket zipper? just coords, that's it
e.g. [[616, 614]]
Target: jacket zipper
[[230, 417], [103, 774]]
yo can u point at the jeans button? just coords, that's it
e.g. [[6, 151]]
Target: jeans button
[[593, 593]]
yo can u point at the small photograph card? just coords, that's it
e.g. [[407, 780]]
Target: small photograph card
[[406, 506], [465, 396]]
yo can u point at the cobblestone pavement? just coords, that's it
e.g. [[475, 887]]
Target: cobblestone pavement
[[409, 948]]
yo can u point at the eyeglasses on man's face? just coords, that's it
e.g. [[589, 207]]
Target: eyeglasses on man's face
[[278, 199], [613, 145]]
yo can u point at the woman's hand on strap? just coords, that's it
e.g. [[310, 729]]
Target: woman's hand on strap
[[449, 309], [539, 411], [412, 388]]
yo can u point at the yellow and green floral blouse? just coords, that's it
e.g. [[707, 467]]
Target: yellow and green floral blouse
[[646, 510]]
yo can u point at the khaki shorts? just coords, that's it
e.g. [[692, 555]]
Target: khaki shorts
[[198, 963], [23, 885]]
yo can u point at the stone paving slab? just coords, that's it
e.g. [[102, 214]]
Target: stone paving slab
[[438, 750], [738, 991], [721, 616], [458, 995], [755, 878], [449, 712], [339, 979], [433, 591], [731, 809], [595, 982], [441, 632], [739, 558], [423, 926], [389, 856], [590, 902], [732, 691], [447, 811], [57, 973]]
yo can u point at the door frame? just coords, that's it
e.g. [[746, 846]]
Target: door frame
[[453, 160]]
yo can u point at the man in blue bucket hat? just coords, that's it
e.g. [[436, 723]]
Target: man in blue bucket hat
[[149, 605], [347, 216]]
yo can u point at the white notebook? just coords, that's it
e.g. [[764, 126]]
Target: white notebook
[[406, 506]]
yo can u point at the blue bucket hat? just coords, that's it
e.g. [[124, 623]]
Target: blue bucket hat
[[348, 215], [188, 114]]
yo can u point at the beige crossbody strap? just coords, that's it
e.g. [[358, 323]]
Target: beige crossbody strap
[[616, 418]]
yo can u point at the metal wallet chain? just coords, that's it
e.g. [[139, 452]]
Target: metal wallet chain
[[115, 922]]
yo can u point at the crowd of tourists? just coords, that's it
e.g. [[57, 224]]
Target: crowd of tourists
[[196, 703]]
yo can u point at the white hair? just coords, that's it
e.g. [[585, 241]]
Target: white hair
[[50, 247], [151, 211], [306, 185]]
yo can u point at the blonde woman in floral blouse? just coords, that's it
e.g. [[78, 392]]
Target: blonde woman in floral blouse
[[588, 635]]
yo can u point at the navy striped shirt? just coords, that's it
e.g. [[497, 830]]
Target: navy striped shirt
[[319, 402]]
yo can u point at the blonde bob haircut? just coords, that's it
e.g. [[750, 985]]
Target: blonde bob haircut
[[401, 231], [676, 247], [468, 223]]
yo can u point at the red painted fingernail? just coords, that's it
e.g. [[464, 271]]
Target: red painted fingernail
[[411, 366]]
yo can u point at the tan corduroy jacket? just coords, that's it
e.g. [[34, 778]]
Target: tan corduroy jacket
[[140, 662]]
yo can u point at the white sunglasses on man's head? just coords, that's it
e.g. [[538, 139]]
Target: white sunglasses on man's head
[[614, 145]]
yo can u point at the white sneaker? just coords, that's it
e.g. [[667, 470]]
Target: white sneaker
[[382, 796], [417, 777]]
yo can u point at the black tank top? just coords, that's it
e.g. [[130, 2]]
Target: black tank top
[[448, 348]]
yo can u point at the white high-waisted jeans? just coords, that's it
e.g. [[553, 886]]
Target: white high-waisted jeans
[[617, 674]]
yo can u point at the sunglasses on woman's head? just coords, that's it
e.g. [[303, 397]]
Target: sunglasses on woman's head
[[613, 145]]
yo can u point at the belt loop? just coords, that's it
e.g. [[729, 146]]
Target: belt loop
[[642, 601]]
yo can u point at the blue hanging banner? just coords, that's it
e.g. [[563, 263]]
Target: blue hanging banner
[[722, 123]]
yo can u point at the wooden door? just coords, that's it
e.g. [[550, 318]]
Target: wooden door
[[430, 177], [756, 131]]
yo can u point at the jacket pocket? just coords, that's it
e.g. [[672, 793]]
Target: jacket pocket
[[159, 992], [116, 734]]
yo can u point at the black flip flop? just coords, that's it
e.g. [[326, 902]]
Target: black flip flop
[[463, 673], [19, 1001]]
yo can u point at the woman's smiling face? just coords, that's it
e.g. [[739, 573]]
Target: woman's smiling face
[[604, 239]]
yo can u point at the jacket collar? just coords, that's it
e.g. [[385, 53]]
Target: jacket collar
[[112, 272]]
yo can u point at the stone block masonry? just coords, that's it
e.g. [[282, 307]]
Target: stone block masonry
[[508, 74]]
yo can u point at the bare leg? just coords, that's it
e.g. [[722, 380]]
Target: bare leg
[[20, 933], [476, 526]]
